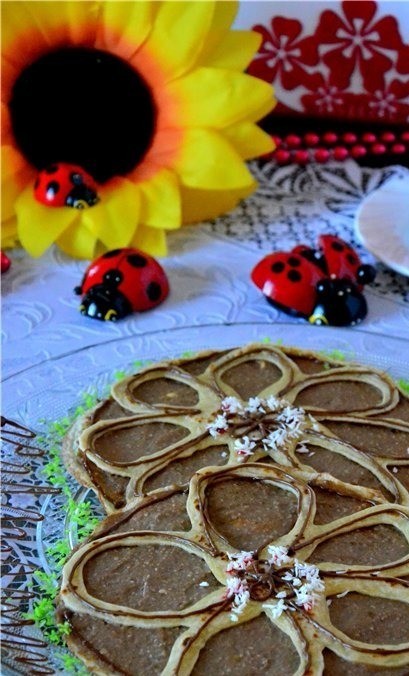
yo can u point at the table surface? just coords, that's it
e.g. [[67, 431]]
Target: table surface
[[209, 269], [51, 353]]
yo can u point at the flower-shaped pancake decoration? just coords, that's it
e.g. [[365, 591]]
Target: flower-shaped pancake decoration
[[261, 403], [194, 601], [146, 97]]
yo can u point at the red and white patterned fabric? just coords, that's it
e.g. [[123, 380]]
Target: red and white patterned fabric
[[346, 60]]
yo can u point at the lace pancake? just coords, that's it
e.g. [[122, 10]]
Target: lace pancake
[[264, 525], [153, 430]]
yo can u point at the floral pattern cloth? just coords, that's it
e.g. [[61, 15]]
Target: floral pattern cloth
[[353, 65]]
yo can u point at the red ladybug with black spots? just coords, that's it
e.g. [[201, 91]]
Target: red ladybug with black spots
[[65, 185], [120, 282], [323, 286]]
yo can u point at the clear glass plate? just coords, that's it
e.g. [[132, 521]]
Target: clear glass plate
[[51, 390]]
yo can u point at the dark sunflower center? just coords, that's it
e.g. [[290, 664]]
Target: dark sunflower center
[[86, 107]]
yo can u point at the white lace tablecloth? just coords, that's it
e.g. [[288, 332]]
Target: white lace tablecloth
[[209, 271]]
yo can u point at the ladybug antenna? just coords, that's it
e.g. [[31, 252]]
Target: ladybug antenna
[[365, 274]]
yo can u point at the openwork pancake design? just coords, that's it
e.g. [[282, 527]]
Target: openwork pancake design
[[153, 431], [131, 583], [264, 525]]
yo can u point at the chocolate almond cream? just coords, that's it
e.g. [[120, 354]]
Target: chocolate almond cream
[[257, 521]]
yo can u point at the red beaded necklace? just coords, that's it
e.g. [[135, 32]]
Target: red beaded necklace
[[378, 147]]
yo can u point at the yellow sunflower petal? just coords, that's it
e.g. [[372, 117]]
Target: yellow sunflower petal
[[29, 29], [235, 51], [114, 219], [6, 131], [78, 241], [249, 140], [223, 16], [207, 160], [178, 35], [9, 234], [73, 23], [80, 18], [218, 97], [9, 74], [125, 26], [150, 240], [161, 201], [11, 162], [15, 174], [203, 205], [16, 26], [38, 225], [263, 110]]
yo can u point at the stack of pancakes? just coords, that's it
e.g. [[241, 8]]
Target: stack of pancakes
[[146, 593]]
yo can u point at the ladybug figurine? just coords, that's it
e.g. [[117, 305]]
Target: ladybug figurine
[[120, 282], [323, 286], [65, 185], [5, 262]]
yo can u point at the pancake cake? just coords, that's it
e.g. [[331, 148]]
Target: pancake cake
[[258, 520]]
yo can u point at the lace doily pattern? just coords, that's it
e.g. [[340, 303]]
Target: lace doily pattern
[[294, 205]]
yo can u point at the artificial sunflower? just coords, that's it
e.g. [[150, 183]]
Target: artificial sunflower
[[147, 97]]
